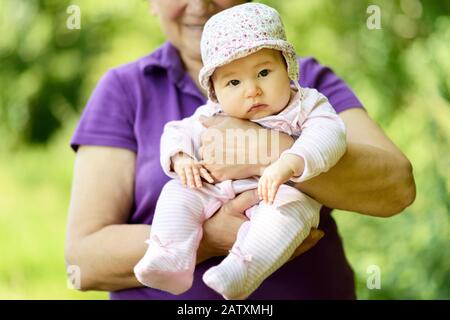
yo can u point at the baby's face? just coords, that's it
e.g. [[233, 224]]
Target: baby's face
[[253, 87]]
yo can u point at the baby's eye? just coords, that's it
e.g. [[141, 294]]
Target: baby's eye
[[264, 72], [233, 83]]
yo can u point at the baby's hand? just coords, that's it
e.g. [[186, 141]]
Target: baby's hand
[[190, 171], [278, 173]]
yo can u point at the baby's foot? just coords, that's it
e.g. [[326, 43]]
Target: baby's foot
[[165, 267], [229, 277]]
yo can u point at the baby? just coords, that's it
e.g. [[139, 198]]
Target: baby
[[247, 73]]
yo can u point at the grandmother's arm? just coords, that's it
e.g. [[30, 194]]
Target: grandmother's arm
[[373, 177], [99, 241]]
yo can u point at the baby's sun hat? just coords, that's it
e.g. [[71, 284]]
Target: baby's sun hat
[[238, 32]]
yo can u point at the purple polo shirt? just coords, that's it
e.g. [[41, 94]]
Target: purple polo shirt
[[129, 108]]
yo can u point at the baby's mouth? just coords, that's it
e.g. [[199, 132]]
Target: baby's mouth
[[257, 106]]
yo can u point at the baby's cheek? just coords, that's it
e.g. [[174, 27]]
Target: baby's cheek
[[283, 101], [232, 108]]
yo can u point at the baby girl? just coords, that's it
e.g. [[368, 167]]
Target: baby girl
[[248, 70]]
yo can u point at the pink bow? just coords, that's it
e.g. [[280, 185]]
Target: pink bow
[[158, 241], [243, 257]]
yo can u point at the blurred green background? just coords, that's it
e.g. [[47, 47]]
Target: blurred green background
[[400, 72]]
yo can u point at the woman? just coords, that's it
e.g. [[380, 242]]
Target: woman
[[118, 177]]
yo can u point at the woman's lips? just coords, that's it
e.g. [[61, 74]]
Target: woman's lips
[[194, 27], [257, 107]]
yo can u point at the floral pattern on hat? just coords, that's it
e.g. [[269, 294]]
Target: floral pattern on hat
[[238, 32]]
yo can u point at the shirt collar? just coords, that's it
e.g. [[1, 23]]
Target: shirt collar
[[167, 58]]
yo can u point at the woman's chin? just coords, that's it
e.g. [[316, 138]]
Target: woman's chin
[[191, 47]]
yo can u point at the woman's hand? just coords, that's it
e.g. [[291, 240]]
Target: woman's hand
[[230, 160], [219, 232], [314, 236]]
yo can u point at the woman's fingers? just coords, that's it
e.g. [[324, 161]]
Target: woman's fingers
[[205, 174], [310, 241], [241, 203], [211, 121]]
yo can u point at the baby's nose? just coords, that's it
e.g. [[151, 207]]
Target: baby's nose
[[253, 90]]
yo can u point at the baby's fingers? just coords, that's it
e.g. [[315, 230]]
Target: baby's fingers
[[189, 177], [205, 174], [273, 191], [197, 179], [182, 176], [264, 190]]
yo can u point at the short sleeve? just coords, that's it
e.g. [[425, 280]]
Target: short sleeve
[[108, 118], [322, 78]]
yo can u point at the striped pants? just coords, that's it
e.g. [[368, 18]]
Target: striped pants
[[263, 244]]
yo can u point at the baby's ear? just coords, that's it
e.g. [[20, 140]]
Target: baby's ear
[[213, 91]]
